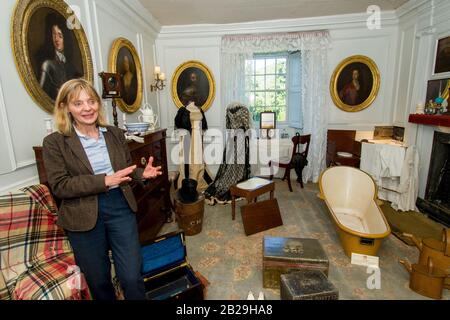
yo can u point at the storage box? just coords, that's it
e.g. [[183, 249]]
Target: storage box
[[261, 216], [307, 285], [286, 255], [167, 274]]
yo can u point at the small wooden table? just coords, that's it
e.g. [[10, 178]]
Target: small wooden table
[[251, 194]]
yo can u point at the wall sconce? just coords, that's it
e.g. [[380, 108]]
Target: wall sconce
[[160, 77]]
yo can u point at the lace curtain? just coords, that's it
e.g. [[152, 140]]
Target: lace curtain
[[313, 47]]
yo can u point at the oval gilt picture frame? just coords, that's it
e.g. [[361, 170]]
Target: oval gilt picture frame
[[193, 73], [124, 60], [355, 83], [49, 47]]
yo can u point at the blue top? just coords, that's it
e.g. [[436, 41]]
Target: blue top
[[97, 152]]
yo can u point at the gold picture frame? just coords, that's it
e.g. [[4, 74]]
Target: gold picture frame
[[124, 60], [355, 83], [49, 47], [183, 78]]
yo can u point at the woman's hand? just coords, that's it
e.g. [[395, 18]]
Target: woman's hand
[[150, 171], [119, 176]]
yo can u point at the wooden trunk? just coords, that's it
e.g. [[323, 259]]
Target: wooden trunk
[[286, 255], [307, 285]]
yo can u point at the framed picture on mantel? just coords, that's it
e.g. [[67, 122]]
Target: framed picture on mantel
[[442, 57]]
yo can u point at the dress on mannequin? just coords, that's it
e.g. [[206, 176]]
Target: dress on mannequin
[[192, 164]]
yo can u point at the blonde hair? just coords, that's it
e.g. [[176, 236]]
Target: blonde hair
[[67, 93]]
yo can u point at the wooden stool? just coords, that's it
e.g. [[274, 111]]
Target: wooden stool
[[256, 187]]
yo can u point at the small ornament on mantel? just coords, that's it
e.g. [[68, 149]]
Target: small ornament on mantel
[[420, 108], [444, 106], [124, 118]]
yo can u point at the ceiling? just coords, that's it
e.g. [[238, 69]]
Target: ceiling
[[180, 12]]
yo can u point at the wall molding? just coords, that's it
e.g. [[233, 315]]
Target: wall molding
[[388, 18], [93, 35], [122, 14], [412, 7], [7, 132], [146, 19], [20, 184]]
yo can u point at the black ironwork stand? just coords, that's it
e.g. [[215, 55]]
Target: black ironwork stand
[[116, 122]]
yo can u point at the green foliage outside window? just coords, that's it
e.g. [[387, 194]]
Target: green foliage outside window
[[265, 86]]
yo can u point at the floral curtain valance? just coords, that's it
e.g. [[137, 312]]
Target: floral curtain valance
[[275, 42]]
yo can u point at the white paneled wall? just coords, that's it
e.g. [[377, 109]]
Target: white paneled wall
[[421, 24], [22, 121], [350, 36]]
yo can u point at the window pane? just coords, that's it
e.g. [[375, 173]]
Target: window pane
[[280, 98], [260, 66], [281, 82], [249, 66], [270, 66], [265, 86], [270, 82], [270, 99], [249, 83], [281, 65], [260, 99], [260, 83], [281, 114]]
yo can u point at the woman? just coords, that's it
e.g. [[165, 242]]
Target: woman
[[192, 119], [88, 166]]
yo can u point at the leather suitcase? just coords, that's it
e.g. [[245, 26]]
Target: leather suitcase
[[286, 255], [307, 285], [167, 274]]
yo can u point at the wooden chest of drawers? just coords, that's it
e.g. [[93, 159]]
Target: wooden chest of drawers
[[153, 199]]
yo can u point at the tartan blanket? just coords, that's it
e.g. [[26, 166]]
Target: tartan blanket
[[36, 260]]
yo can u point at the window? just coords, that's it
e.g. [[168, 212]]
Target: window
[[265, 85]]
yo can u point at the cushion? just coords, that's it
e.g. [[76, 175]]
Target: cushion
[[253, 183], [28, 233]]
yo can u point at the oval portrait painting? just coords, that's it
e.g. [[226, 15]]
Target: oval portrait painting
[[50, 48], [193, 75], [125, 61], [355, 83]]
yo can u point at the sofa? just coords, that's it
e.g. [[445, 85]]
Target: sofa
[[36, 260]]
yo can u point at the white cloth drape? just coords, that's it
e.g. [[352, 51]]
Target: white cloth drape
[[313, 47], [395, 170]]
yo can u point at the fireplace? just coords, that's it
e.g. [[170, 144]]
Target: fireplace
[[437, 195]]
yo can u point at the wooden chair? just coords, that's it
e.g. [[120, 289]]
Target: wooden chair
[[286, 163]]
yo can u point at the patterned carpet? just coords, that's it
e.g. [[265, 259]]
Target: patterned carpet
[[232, 261]]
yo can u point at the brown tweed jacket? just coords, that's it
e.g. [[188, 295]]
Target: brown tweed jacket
[[72, 179]]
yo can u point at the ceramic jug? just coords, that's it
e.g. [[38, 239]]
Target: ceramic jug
[[148, 115]]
